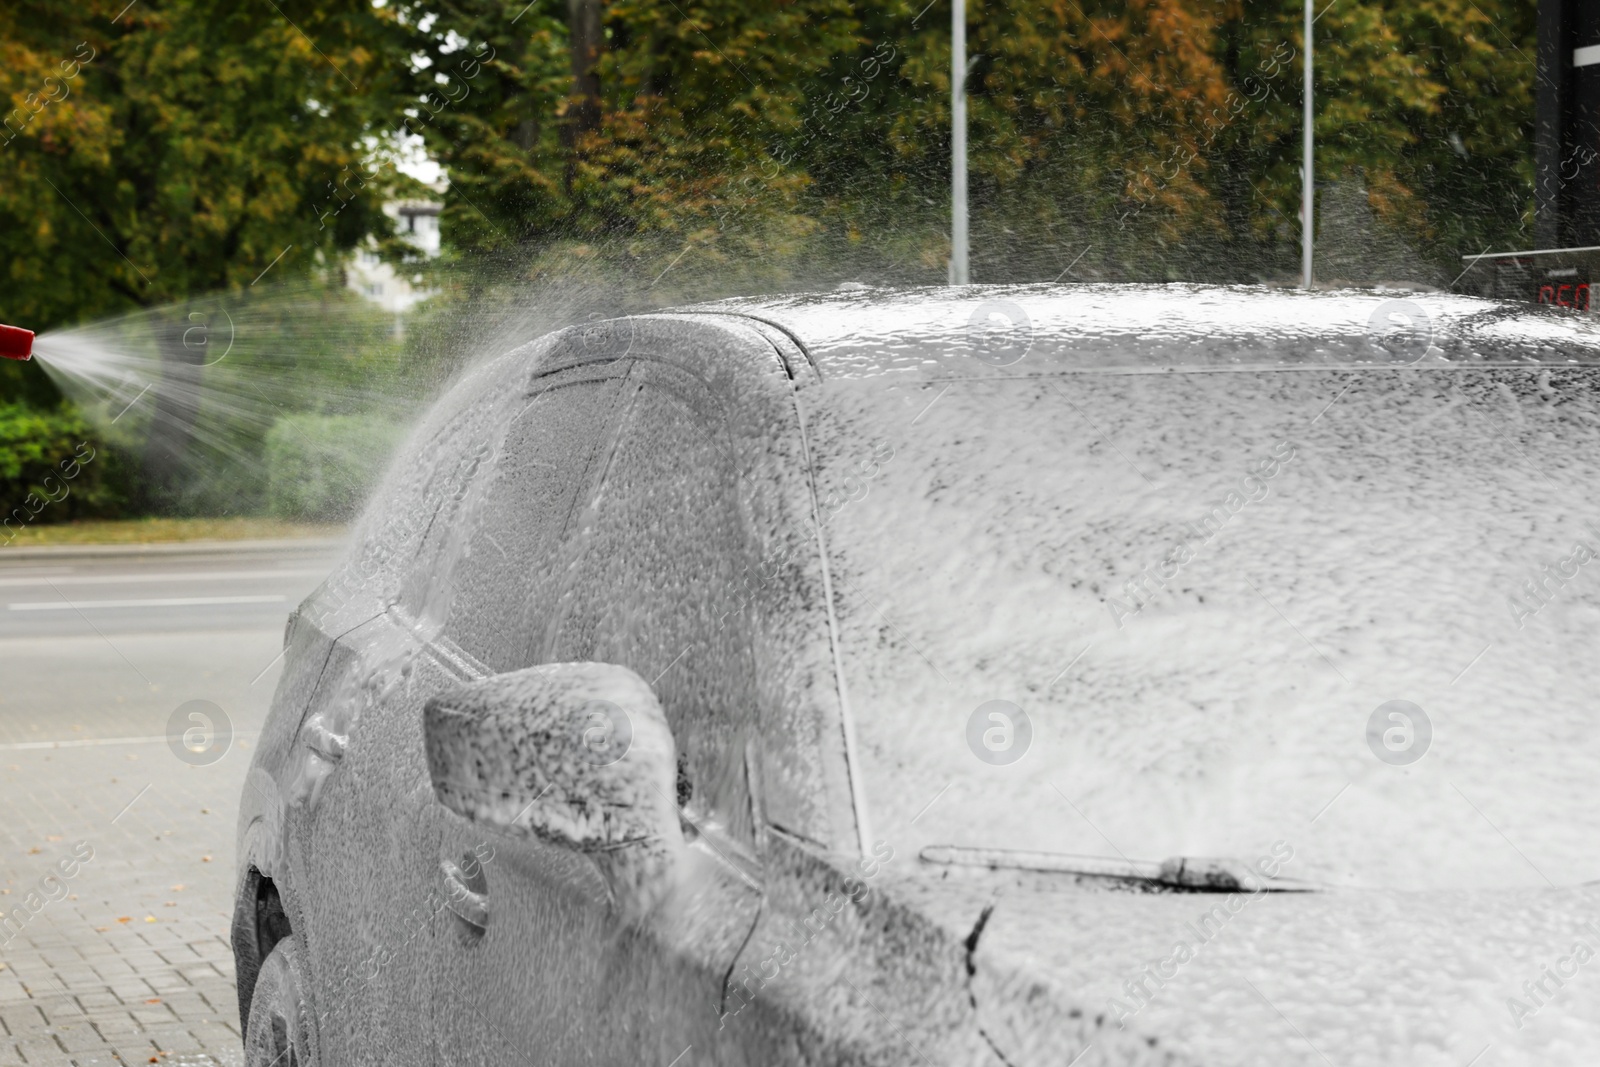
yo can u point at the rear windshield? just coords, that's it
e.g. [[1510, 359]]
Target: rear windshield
[[1356, 612]]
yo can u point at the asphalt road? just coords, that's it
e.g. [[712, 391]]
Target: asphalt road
[[158, 589], [99, 649], [96, 643]]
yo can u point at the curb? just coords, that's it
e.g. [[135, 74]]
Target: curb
[[297, 545]]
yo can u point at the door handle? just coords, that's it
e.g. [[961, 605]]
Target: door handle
[[467, 895], [316, 736]]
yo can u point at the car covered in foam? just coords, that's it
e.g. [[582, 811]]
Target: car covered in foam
[[1026, 675]]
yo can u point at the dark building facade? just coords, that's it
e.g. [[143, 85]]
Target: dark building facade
[[1566, 257], [1567, 112]]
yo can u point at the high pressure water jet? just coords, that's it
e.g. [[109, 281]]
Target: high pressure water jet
[[16, 343]]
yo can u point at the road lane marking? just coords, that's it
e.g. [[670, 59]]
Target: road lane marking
[[91, 742], [170, 602], [85, 742]]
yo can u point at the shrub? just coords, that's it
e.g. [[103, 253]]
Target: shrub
[[51, 469], [320, 467]]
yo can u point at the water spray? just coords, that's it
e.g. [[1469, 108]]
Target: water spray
[[16, 343]]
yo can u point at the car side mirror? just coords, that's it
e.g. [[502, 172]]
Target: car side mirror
[[577, 755]]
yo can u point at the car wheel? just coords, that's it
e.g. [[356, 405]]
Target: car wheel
[[280, 1030]]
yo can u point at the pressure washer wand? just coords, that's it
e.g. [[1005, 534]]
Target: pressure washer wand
[[15, 342]]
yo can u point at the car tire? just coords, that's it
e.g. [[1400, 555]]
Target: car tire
[[280, 1032]]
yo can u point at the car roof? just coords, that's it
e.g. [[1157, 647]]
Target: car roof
[[937, 330]]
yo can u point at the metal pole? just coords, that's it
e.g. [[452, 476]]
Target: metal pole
[[1308, 188], [958, 143]]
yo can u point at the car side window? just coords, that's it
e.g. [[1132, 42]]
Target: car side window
[[503, 544], [657, 549]]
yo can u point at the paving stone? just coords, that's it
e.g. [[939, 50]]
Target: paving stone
[[135, 1051], [39, 1049], [20, 1019], [190, 1007], [55, 1058], [61, 1012], [142, 960], [80, 1037], [99, 1056], [132, 990], [96, 951], [112, 1026], [77, 983], [77, 968], [215, 1035], [60, 957], [92, 1002], [173, 1040], [169, 982], [114, 969]]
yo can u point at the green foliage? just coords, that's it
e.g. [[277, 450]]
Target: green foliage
[[27, 383], [195, 387], [320, 467], [1158, 137], [51, 469], [180, 147], [687, 105], [1427, 106], [1161, 138]]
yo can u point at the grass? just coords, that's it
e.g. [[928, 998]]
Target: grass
[[156, 531]]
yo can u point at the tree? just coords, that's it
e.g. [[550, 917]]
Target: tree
[[1426, 108], [1153, 138], [1161, 138], [178, 146], [548, 136], [1133, 138]]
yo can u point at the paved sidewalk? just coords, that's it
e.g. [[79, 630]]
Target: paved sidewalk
[[133, 966], [116, 855], [122, 957]]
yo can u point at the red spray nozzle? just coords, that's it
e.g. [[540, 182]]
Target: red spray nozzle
[[15, 342]]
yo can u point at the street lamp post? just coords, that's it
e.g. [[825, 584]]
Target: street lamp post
[[958, 143], [1308, 190]]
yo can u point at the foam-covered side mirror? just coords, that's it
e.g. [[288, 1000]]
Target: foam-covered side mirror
[[577, 755]]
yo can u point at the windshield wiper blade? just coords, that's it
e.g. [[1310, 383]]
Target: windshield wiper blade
[[1192, 873]]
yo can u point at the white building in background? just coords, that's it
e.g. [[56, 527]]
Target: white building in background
[[417, 222]]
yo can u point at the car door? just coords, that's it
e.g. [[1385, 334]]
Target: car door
[[374, 879], [553, 976]]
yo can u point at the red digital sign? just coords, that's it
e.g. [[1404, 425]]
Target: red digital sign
[[1566, 295]]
